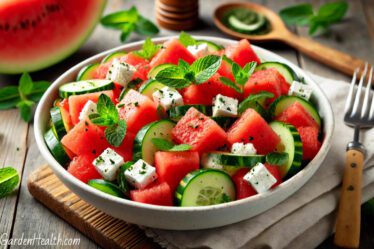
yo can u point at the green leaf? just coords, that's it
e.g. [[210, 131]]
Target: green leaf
[[9, 180], [276, 158], [126, 29], [181, 147], [332, 12], [205, 67], [25, 84], [106, 108], [115, 134], [38, 90], [8, 104], [186, 39], [298, 14], [96, 119], [259, 97], [227, 59], [124, 16], [162, 144], [25, 108], [8, 93], [173, 76], [121, 179], [184, 65], [148, 50], [231, 84], [145, 27]]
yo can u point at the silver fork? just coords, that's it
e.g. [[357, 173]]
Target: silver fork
[[359, 113]]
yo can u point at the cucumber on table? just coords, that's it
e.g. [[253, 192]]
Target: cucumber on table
[[85, 86], [87, 72], [177, 112], [285, 70], [143, 145], [153, 72], [105, 186], [150, 87], [56, 148], [291, 144], [57, 122], [205, 187]]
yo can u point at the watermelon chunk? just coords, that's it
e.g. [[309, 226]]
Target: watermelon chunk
[[85, 139], [138, 110], [311, 144], [243, 188], [82, 168], [173, 51], [269, 80], [225, 70], [252, 128], [171, 167], [159, 194], [297, 116], [242, 53], [274, 170], [77, 102], [204, 93], [102, 70], [199, 131], [125, 149]]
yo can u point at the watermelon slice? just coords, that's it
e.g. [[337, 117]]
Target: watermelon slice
[[243, 188], [82, 168], [138, 110], [252, 128], [204, 93], [77, 102], [199, 131], [35, 34], [171, 167], [269, 80], [158, 194], [297, 116], [225, 70], [309, 138], [125, 149], [274, 170], [242, 53], [173, 51]]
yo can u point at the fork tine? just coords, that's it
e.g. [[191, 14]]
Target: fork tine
[[365, 107], [357, 100], [349, 101]]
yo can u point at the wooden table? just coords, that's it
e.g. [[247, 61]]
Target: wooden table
[[21, 215]]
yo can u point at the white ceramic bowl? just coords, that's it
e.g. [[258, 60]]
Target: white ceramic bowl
[[182, 218]]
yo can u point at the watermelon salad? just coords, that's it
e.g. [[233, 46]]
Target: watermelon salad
[[185, 123]]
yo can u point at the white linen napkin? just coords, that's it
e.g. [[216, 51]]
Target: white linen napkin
[[303, 220]]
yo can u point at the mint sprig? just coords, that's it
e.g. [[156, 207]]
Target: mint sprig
[[321, 19], [184, 75], [128, 21], [107, 115], [148, 50], [9, 180], [24, 96], [277, 158], [186, 39], [166, 145], [254, 98]]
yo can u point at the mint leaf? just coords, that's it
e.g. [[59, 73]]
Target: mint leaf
[[332, 12], [26, 109], [162, 144], [9, 180], [205, 67], [173, 76], [149, 49], [251, 99], [106, 109], [25, 84], [145, 27], [186, 39], [298, 14], [121, 179], [124, 16], [8, 93], [8, 104], [231, 84], [276, 158], [115, 134], [184, 65], [249, 68], [181, 147], [127, 29], [39, 87]]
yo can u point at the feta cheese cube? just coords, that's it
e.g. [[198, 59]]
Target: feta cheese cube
[[89, 108], [225, 106], [140, 174], [260, 178], [243, 149], [120, 72], [167, 97], [199, 49], [301, 90], [210, 162], [108, 163]]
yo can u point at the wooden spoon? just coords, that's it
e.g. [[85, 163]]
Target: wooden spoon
[[338, 60]]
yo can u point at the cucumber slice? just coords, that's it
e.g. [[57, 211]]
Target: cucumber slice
[[152, 74], [143, 145], [283, 102], [212, 47], [56, 148], [106, 187], [133, 84], [205, 187], [291, 144], [224, 122], [87, 72], [150, 87], [285, 70], [57, 122], [177, 112], [85, 86], [226, 158], [243, 26], [113, 56]]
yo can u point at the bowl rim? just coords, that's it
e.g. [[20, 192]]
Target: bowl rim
[[61, 171]]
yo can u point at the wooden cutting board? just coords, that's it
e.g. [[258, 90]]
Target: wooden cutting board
[[106, 231]]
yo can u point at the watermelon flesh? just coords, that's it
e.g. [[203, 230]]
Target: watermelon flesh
[[297, 116], [125, 149], [311, 144], [199, 131], [252, 128], [35, 34], [158, 194], [82, 168], [242, 53]]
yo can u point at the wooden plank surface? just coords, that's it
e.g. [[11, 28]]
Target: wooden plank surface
[[20, 213]]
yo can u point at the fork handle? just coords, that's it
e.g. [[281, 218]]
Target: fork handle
[[349, 213]]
